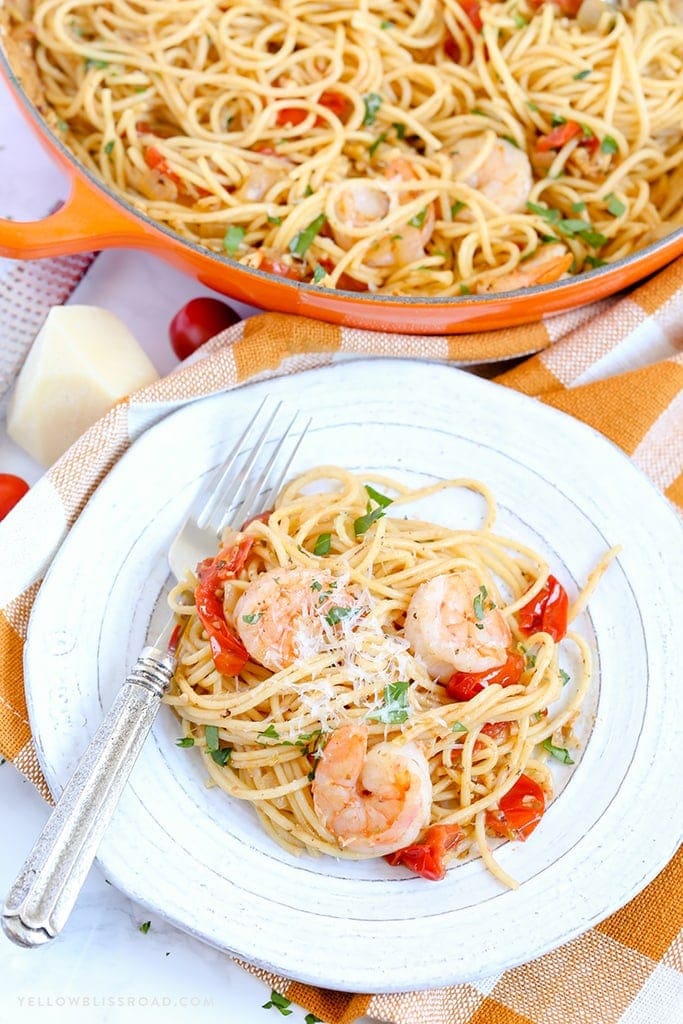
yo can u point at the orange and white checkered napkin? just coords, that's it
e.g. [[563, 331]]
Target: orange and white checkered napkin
[[619, 367]]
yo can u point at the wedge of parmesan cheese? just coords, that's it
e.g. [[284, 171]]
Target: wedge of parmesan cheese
[[82, 362]]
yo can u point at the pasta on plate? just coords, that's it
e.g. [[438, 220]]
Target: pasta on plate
[[379, 685], [409, 147]]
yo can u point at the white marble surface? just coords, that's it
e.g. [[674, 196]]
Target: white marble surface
[[102, 968]]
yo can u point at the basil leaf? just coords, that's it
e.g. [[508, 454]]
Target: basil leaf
[[270, 733], [386, 24], [457, 207], [319, 273], [552, 216], [478, 603], [609, 145], [323, 545], [377, 143], [186, 741], [593, 238], [520, 22], [614, 205], [459, 727], [572, 226], [564, 676], [418, 220], [400, 129], [380, 499], [395, 709], [595, 261], [233, 238], [556, 120], [278, 1002], [251, 619], [99, 65], [559, 753], [316, 585], [222, 757], [109, 147], [578, 207], [372, 103], [363, 523], [464, 290], [580, 75], [211, 733], [337, 614], [301, 242], [145, 927], [274, 220]]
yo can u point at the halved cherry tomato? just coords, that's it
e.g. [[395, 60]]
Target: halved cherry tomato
[[228, 653], [426, 857], [559, 136], [519, 811], [345, 282], [463, 686], [568, 7], [262, 517], [12, 490], [291, 115], [496, 730], [157, 162], [337, 104], [471, 9], [547, 612], [198, 321], [272, 265]]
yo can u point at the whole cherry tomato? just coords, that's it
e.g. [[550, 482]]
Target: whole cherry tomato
[[198, 321], [547, 612], [12, 489]]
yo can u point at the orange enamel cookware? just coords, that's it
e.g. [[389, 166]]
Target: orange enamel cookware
[[94, 217]]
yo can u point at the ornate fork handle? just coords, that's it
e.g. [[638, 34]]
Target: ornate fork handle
[[42, 897]]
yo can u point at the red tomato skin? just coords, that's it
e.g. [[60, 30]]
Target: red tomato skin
[[559, 136], [426, 858], [547, 612], [12, 490], [273, 265], [519, 811], [462, 686], [228, 653], [198, 321]]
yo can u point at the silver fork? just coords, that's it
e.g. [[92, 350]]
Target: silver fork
[[45, 891]]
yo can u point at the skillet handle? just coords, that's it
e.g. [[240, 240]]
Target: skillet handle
[[86, 221]]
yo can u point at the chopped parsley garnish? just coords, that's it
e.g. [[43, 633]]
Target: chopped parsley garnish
[[567, 225], [377, 143], [556, 120], [464, 290], [380, 499], [418, 220], [529, 658], [478, 603], [316, 585], [400, 129], [278, 1002], [395, 709], [511, 140], [609, 145], [578, 207], [593, 238], [233, 238], [532, 106], [145, 927], [186, 741], [222, 757], [478, 112], [614, 205], [458, 727], [211, 734], [372, 102], [270, 733], [318, 274], [337, 614], [99, 65], [274, 220], [301, 242], [564, 676], [559, 753], [108, 148], [580, 75], [386, 24], [251, 619], [519, 21], [457, 206], [323, 545], [595, 261], [62, 125]]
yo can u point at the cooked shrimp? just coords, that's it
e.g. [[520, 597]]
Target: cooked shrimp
[[453, 626], [261, 179], [502, 172], [372, 801], [361, 205], [285, 614], [549, 264]]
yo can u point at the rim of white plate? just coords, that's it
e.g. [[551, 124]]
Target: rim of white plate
[[202, 860]]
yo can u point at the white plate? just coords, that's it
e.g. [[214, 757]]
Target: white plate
[[202, 860]]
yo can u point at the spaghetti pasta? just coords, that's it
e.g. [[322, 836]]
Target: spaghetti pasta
[[396, 689], [409, 147]]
